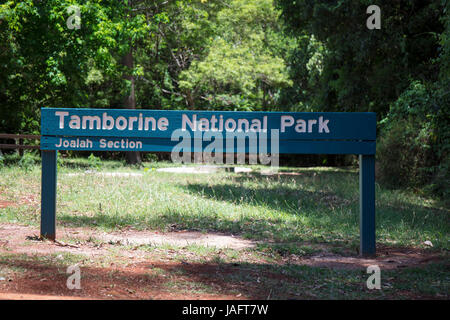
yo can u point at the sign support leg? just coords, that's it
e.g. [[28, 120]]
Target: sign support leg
[[367, 204], [48, 194]]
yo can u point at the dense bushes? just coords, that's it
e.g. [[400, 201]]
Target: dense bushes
[[414, 145], [413, 149]]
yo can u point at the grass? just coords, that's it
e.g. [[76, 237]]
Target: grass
[[288, 214], [319, 205]]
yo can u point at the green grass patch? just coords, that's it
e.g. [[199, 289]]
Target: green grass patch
[[318, 205]]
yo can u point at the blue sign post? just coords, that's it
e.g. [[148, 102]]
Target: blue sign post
[[160, 130]]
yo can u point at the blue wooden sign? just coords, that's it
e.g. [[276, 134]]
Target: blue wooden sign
[[160, 130], [153, 130]]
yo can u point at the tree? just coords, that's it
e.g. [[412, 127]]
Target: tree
[[181, 32], [45, 63], [244, 67], [362, 69]]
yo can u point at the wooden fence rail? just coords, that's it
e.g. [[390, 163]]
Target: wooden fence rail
[[19, 139]]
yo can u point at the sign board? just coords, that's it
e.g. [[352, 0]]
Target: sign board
[[164, 131]]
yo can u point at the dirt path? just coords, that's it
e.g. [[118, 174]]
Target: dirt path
[[129, 274], [114, 267]]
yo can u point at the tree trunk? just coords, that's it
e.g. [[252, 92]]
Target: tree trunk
[[133, 157]]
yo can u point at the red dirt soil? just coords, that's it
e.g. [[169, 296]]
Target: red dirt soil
[[37, 271]]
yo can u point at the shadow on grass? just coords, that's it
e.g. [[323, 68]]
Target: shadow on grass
[[175, 280], [296, 214], [271, 231], [278, 197], [323, 206]]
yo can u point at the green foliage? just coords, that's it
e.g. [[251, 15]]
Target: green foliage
[[400, 71], [44, 63], [94, 161], [180, 31], [444, 57], [199, 56], [27, 161], [402, 153], [414, 146], [235, 69], [362, 69], [151, 157]]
